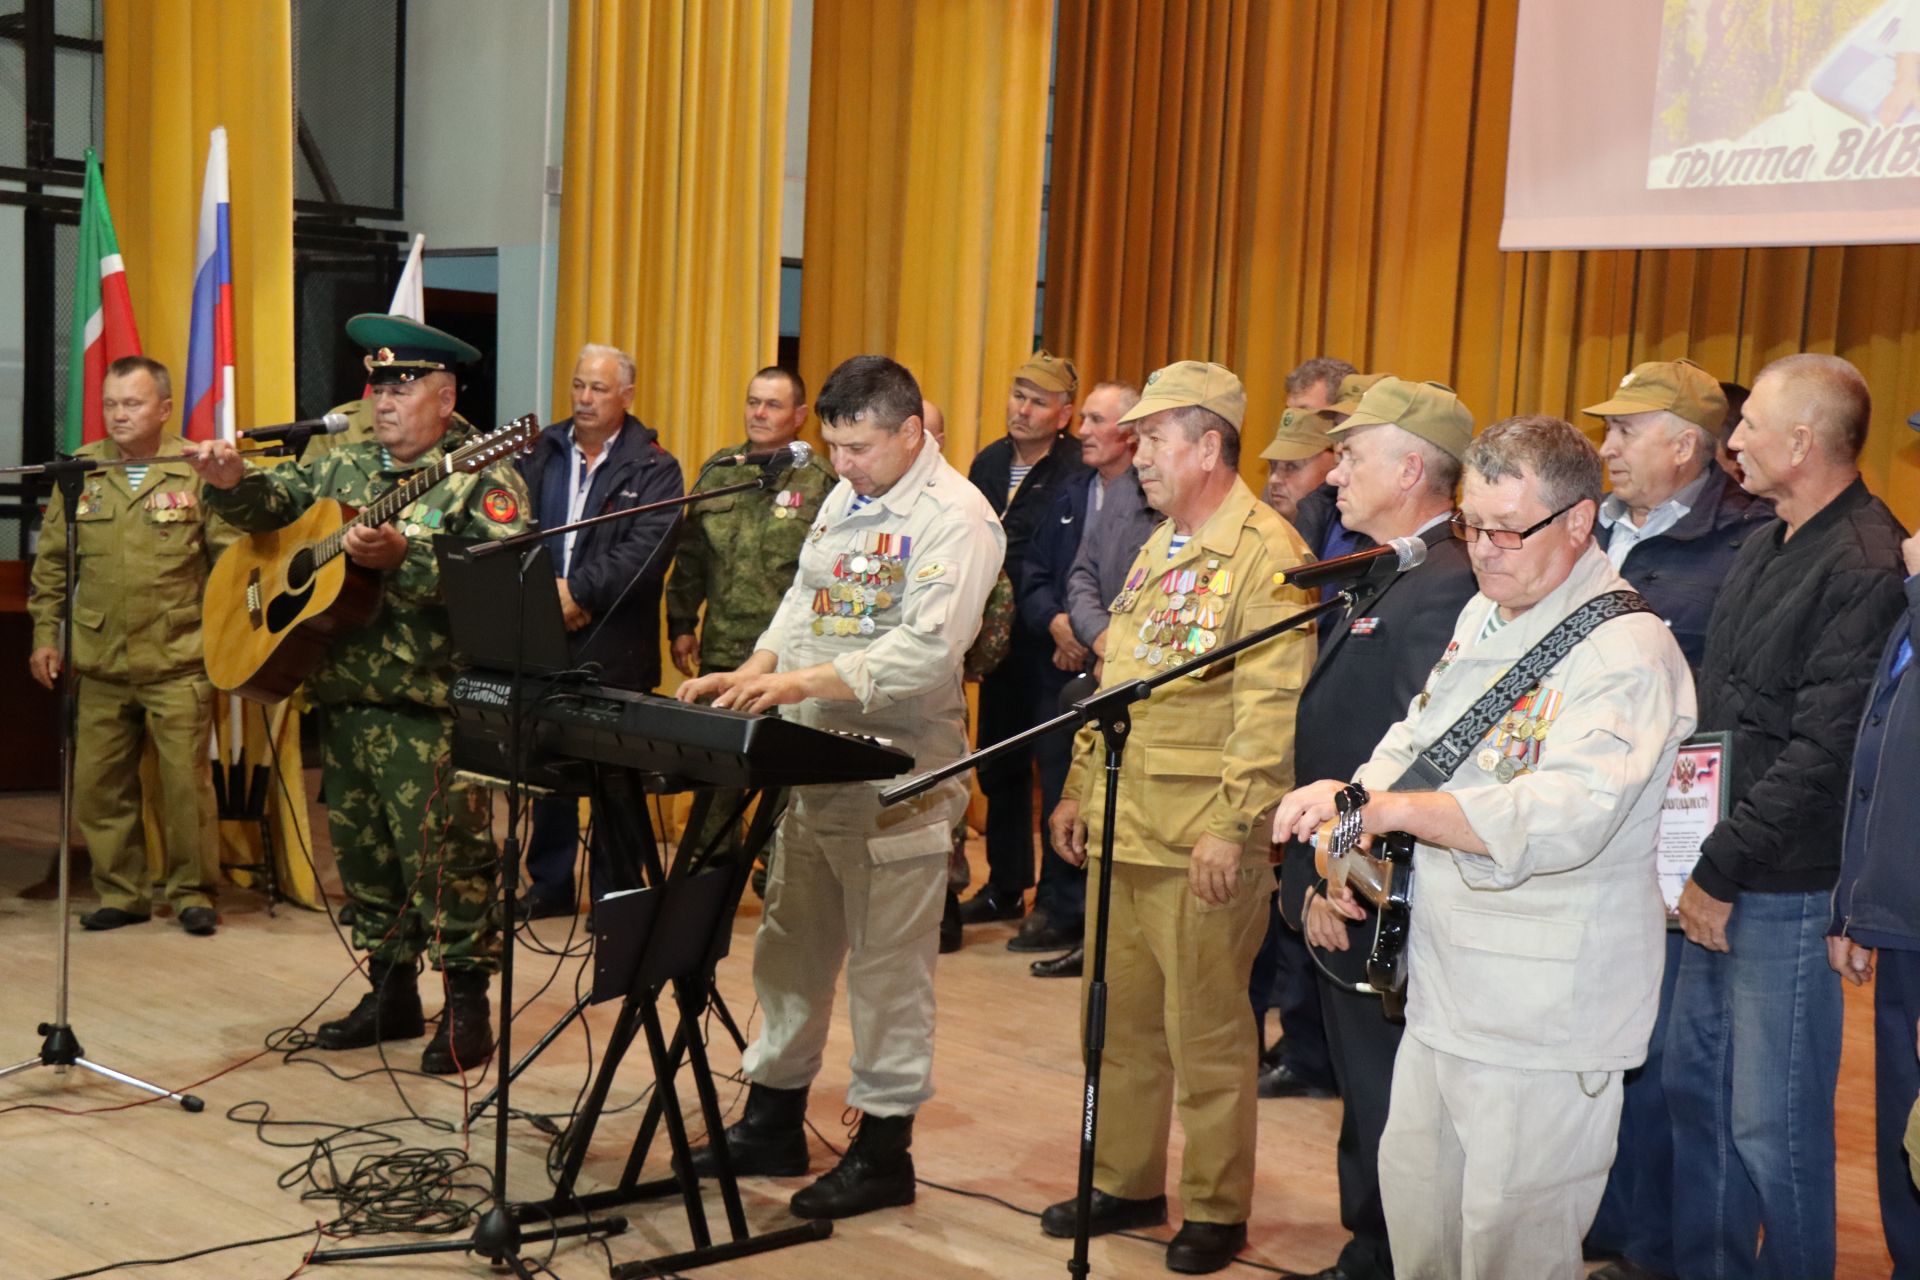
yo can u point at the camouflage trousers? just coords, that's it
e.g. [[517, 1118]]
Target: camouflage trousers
[[414, 850]]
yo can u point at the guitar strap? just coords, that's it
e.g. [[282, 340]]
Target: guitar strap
[[1432, 767]]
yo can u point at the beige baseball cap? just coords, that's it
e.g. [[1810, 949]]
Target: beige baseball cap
[[1302, 433], [1193, 382], [1429, 410], [1352, 387], [1678, 386], [1050, 373]]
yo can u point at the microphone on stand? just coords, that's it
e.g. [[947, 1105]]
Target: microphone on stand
[[797, 454], [1396, 555], [330, 424]]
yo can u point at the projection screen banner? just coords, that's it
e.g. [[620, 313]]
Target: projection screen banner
[[1699, 123]]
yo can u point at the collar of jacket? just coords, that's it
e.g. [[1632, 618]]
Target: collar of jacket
[[1219, 534], [918, 475], [1814, 532], [1718, 506], [630, 444], [1591, 575]]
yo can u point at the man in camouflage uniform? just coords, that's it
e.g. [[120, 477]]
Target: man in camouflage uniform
[[737, 555], [413, 845], [145, 545]]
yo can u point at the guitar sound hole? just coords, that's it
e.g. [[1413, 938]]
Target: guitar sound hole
[[300, 569]]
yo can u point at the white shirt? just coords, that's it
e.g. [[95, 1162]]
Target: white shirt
[[1627, 535], [580, 469]]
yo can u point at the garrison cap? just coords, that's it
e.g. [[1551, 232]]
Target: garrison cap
[[1193, 382], [400, 349], [1429, 410], [1678, 386]]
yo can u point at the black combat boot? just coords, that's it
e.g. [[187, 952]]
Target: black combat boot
[[391, 1011], [769, 1139], [465, 1038], [876, 1173]]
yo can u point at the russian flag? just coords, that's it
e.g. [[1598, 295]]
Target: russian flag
[[210, 338]]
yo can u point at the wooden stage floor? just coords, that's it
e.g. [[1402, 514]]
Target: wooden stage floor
[[81, 1191]]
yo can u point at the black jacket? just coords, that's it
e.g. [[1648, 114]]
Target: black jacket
[[1877, 902], [1789, 663], [1680, 572], [993, 468], [1363, 683], [608, 559]]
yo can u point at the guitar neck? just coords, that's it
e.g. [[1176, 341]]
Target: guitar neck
[[384, 508]]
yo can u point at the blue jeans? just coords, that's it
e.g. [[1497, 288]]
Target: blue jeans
[[1753, 1055], [1636, 1213]]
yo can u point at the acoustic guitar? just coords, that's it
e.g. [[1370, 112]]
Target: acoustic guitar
[[276, 600]]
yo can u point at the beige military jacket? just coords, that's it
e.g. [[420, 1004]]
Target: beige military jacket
[[920, 559], [1212, 749], [144, 557], [1547, 953]]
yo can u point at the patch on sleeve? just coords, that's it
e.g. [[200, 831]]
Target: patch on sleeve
[[927, 573], [500, 506]]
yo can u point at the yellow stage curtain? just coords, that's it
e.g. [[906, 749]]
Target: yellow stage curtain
[[176, 69], [1358, 196], [670, 212], [925, 160]]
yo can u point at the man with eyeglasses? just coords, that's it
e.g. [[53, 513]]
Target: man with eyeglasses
[[1535, 949]]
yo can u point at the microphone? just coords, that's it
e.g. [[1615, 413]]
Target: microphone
[[331, 424], [1405, 553], [799, 451]]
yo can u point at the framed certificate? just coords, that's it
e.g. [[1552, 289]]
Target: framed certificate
[[1695, 802]]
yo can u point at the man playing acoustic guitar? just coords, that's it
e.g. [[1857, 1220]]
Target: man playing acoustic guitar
[[412, 845]]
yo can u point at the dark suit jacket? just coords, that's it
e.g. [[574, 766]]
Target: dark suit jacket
[[618, 568], [1364, 683], [993, 468]]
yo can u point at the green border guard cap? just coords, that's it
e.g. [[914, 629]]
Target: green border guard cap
[[1678, 386], [400, 349]]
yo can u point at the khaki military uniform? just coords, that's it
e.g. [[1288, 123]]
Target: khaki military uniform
[[143, 561], [413, 845], [891, 595], [1205, 754]]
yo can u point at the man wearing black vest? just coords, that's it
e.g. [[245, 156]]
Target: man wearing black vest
[[1020, 473], [1399, 463]]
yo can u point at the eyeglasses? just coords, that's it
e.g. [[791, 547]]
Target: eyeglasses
[[1505, 539]]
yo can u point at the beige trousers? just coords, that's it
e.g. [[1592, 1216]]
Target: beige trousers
[[114, 723], [1179, 1035], [1493, 1173]]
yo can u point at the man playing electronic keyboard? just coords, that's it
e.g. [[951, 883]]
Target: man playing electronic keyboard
[[413, 845], [1537, 926], [870, 638]]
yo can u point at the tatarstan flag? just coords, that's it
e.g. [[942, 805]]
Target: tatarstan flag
[[103, 327]]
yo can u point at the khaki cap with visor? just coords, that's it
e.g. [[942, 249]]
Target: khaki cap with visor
[[1193, 382], [1679, 386], [1302, 433], [1429, 410], [1050, 373]]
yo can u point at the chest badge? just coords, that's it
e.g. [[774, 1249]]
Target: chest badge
[[499, 506]]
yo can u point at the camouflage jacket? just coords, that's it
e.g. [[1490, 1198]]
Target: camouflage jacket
[[738, 557], [405, 654]]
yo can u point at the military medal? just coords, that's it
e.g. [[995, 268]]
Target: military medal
[[1487, 759], [1508, 767]]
